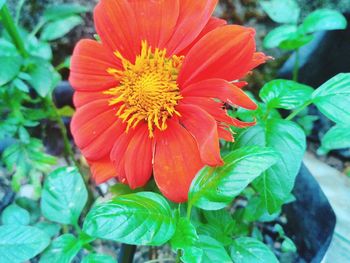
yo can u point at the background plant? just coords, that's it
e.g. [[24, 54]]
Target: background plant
[[294, 33]]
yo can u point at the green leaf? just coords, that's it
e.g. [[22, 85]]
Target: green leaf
[[21, 85], [215, 188], [27, 158], [59, 11], [38, 48], [31, 206], [220, 218], [289, 141], [275, 37], [15, 215], [7, 49], [256, 211], [98, 258], [286, 11], [120, 189], [10, 67], [296, 41], [248, 250], [333, 98], [66, 111], [51, 229], [21, 243], [323, 19], [288, 246], [336, 138], [216, 232], [59, 28], [306, 121], [213, 251], [42, 77], [62, 250], [64, 196], [186, 239], [285, 94], [220, 225], [143, 218]]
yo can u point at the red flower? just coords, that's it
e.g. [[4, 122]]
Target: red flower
[[150, 96]]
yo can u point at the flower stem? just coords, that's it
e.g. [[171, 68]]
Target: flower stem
[[10, 26], [296, 66], [189, 209], [297, 111], [38, 27], [67, 146], [69, 154], [178, 256], [18, 10]]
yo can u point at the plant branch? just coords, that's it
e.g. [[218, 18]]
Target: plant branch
[[189, 209], [67, 147], [38, 27], [297, 111], [296, 66], [11, 28], [178, 256], [18, 11]]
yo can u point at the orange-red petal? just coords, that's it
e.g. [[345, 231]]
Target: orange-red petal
[[193, 17], [213, 23], [216, 110], [226, 53], [102, 144], [81, 98], [116, 24], [258, 59], [92, 128], [117, 155], [102, 170], [204, 129], [89, 65], [138, 158], [156, 20], [222, 90], [225, 133], [176, 161]]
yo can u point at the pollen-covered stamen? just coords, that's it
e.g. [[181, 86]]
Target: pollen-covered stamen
[[148, 90]]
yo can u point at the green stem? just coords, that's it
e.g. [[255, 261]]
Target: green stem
[[178, 256], [77, 228], [297, 111], [267, 114], [296, 66], [18, 11], [38, 27], [67, 147], [10, 26], [189, 209], [89, 247], [69, 154]]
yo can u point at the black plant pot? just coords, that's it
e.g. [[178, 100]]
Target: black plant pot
[[311, 219]]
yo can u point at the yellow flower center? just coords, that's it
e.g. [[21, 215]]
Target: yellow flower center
[[148, 90]]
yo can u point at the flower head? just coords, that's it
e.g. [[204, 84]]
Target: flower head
[[150, 96]]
